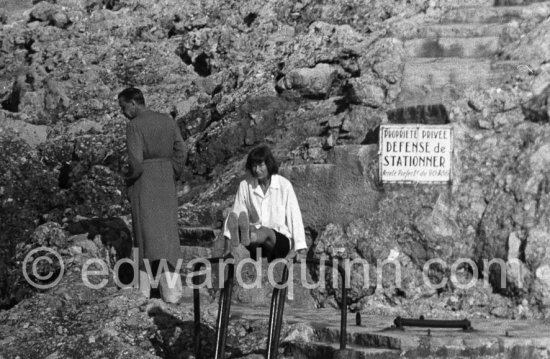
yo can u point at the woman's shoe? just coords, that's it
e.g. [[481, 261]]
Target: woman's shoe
[[233, 226], [244, 229]]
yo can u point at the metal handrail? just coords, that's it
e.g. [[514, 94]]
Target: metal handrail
[[276, 309], [276, 315], [278, 304], [223, 306]]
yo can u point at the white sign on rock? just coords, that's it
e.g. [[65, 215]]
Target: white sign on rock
[[415, 153]]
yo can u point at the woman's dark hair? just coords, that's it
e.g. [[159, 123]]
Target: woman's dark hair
[[262, 154], [132, 94]]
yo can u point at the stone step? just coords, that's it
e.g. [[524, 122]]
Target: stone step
[[314, 350], [515, 2], [438, 80], [491, 338], [470, 3], [197, 236], [427, 97], [453, 47], [357, 336], [440, 72], [494, 14], [432, 114], [436, 30]]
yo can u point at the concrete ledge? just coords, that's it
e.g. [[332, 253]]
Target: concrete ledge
[[493, 14], [453, 47], [434, 31], [197, 236], [441, 72], [340, 191]]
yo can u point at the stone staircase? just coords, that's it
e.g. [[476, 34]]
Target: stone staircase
[[316, 334], [360, 345], [459, 52], [362, 342], [197, 241]]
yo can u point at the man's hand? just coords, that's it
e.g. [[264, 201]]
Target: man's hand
[[125, 170], [129, 181]]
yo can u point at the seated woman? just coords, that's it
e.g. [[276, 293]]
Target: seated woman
[[266, 214]]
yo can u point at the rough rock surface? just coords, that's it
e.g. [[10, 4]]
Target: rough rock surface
[[310, 79]]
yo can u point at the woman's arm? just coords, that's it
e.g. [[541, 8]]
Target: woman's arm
[[239, 205], [293, 217]]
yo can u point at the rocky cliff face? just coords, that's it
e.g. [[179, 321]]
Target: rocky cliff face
[[314, 80]]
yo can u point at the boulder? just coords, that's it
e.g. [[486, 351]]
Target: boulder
[[542, 286], [3, 17], [14, 125], [32, 104], [49, 234], [542, 79], [311, 82], [113, 231], [531, 46], [42, 11], [51, 13], [540, 159], [83, 126], [385, 59], [55, 97], [60, 19], [361, 124], [327, 43], [537, 109], [367, 93]]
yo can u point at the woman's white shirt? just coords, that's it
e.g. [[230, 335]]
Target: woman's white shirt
[[277, 209]]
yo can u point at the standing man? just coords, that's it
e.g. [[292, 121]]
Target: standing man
[[156, 158]]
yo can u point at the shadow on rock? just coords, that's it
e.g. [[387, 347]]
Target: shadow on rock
[[175, 338]]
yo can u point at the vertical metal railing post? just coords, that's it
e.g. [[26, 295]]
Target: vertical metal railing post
[[223, 313], [224, 307], [197, 312], [343, 309], [276, 314], [278, 302]]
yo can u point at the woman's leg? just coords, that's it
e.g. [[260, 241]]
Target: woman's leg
[[244, 229], [233, 226], [249, 234], [281, 248], [263, 235], [253, 238], [273, 244]]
